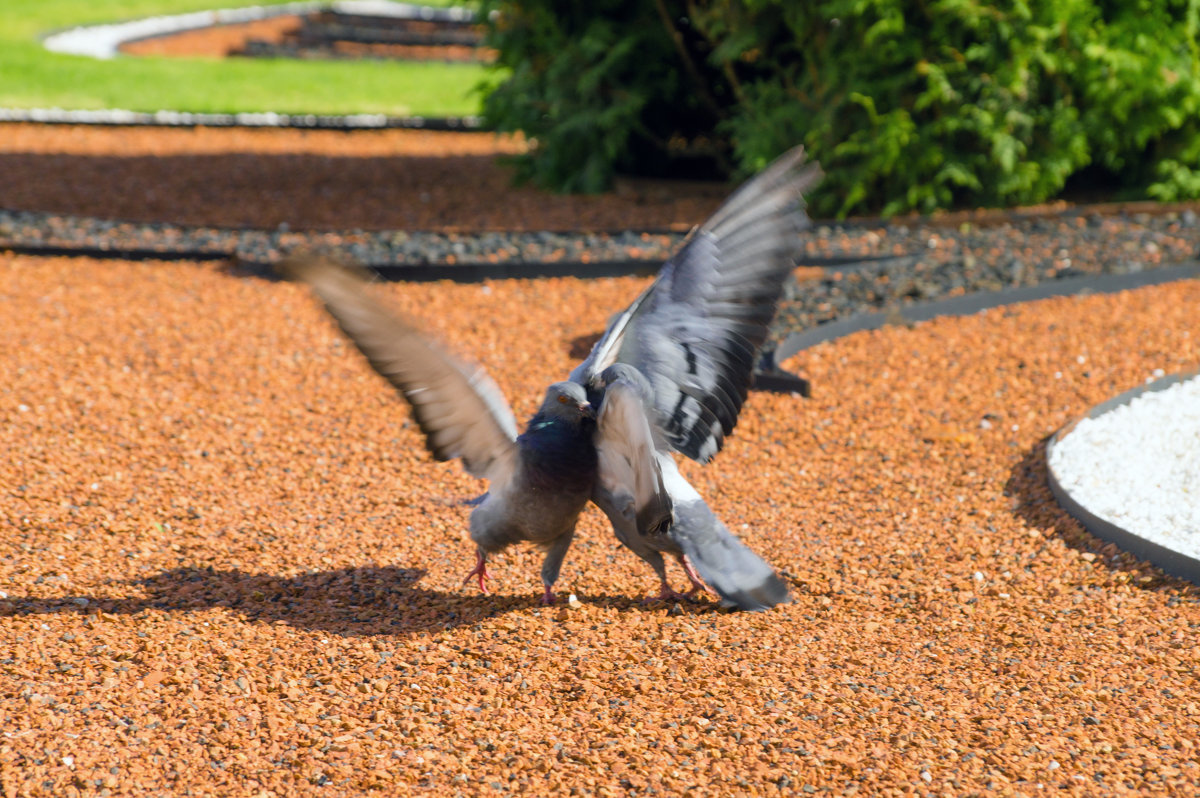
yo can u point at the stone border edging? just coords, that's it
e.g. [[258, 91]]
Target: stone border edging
[[117, 117], [1170, 561], [973, 303]]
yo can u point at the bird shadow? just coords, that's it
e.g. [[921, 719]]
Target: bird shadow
[[580, 346], [351, 602], [1028, 485]]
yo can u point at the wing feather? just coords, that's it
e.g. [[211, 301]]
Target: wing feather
[[628, 462], [459, 408], [696, 331]]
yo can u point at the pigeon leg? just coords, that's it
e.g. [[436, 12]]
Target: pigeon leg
[[693, 578], [479, 571], [665, 591], [553, 563]]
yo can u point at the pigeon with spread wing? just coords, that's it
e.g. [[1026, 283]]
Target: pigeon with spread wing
[[686, 349], [670, 374], [538, 481]]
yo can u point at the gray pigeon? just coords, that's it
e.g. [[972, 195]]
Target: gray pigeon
[[686, 348], [540, 480]]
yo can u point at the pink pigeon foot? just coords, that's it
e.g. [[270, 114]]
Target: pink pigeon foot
[[548, 597], [480, 572], [693, 578], [666, 593]]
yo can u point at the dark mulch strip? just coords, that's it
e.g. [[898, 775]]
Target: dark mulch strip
[[864, 268]]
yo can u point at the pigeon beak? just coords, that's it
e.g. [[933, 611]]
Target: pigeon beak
[[587, 410]]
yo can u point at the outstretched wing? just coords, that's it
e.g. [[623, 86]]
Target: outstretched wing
[[457, 406], [696, 331], [629, 471]]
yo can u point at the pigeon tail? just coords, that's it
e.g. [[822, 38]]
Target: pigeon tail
[[739, 576]]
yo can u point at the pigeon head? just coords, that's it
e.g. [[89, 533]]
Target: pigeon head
[[628, 374], [566, 401]]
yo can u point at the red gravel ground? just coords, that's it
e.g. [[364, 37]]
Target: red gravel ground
[[229, 568], [214, 42], [323, 180]]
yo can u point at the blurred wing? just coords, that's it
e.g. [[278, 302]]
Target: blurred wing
[[696, 331], [628, 465], [457, 406]]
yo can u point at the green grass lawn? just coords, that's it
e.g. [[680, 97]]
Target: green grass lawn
[[32, 77]]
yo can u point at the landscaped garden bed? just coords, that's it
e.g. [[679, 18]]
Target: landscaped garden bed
[[228, 566]]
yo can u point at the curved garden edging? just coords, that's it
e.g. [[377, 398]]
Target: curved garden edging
[[1169, 560], [975, 302], [105, 40]]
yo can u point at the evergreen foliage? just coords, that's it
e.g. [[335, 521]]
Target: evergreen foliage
[[908, 105]]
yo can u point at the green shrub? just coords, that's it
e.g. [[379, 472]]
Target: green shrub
[[592, 83], [908, 105]]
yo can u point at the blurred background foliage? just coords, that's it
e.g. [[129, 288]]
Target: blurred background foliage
[[909, 105]]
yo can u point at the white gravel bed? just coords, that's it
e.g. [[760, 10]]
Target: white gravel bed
[[1137, 466]]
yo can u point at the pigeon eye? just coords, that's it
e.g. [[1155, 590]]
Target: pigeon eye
[[562, 400]]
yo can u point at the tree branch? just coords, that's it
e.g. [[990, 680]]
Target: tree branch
[[689, 65]]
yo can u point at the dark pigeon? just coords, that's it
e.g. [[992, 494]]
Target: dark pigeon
[[540, 480]]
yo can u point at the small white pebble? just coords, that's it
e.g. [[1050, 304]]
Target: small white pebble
[[3, 595], [1058, 375], [1053, 765], [69, 761], [1080, 359], [926, 776], [977, 576], [985, 424], [23, 408], [1016, 427]]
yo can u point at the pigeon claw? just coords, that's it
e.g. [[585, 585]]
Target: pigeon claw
[[666, 593], [548, 597], [697, 585], [480, 572]]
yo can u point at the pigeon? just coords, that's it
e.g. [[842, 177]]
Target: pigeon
[[670, 374], [539, 481], [686, 349]]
